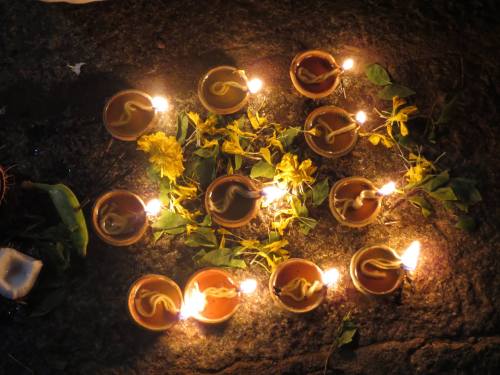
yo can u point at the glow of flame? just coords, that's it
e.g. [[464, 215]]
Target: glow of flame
[[388, 188], [160, 104], [272, 193], [248, 286], [331, 277], [153, 207], [361, 117], [194, 303], [410, 256], [255, 85], [348, 64]]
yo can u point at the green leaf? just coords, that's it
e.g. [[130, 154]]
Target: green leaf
[[448, 111], [182, 127], [222, 257], [157, 235], [466, 191], [435, 182], [202, 170], [444, 194], [171, 223], [320, 192], [55, 254], [390, 91], [262, 169], [70, 212], [306, 224], [288, 136], [209, 152], [347, 333], [237, 162], [51, 299], [467, 223], [377, 75], [423, 204], [202, 236]]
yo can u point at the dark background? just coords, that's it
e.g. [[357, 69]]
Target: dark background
[[51, 131]]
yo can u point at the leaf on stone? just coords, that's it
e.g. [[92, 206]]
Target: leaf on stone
[[444, 194], [320, 192], [377, 75], [221, 257], [306, 224], [171, 223], [467, 223], [201, 236], [434, 182], [182, 127], [288, 136], [262, 169], [390, 91], [466, 191], [421, 203]]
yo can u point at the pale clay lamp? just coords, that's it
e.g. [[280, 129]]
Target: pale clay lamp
[[18, 273]]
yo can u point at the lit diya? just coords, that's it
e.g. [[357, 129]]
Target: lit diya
[[119, 217], [226, 89], [316, 74], [356, 202], [331, 131], [212, 296], [129, 113], [299, 286], [380, 270], [154, 302], [233, 201]]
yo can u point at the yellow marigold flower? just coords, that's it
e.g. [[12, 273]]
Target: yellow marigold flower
[[290, 172], [165, 154], [399, 116]]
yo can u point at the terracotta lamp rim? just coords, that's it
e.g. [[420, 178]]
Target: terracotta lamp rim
[[199, 317], [133, 137], [309, 137], [278, 300], [219, 219], [336, 215], [352, 270], [133, 238], [297, 60], [219, 110], [134, 288]]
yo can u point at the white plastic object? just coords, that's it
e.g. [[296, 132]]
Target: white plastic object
[[18, 273]]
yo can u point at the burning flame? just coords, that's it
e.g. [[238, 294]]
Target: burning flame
[[410, 256], [153, 207], [194, 303], [348, 64], [331, 277], [160, 103], [272, 193], [361, 117], [248, 286], [388, 188], [255, 85]]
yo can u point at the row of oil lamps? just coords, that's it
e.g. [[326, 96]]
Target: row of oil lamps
[[212, 296]]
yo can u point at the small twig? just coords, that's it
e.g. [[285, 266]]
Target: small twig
[[20, 363]]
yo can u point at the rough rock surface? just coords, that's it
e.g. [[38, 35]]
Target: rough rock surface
[[52, 131]]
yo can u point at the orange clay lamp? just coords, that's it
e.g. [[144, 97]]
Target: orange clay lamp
[[379, 269]]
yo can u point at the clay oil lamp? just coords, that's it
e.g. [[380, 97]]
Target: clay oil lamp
[[315, 74], [154, 302], [18, 273], [380, 270], [119, 218], [129, 113], [212, 296], [299, 286], [356, 202], [331, 131], [233, 201], [226, 89]]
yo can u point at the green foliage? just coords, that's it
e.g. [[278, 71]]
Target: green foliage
[[344, 335], [392, 90], [288, 136], [377, 75], [201, 237], [202, 170], [182, 127], [170, 222], [320, 192], [262, 169], [423, 204], [221, 257], [467, 223]]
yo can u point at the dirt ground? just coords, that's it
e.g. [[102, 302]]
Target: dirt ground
[[51, 131]]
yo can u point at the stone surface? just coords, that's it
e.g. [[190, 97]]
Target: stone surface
[[52, 131]]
